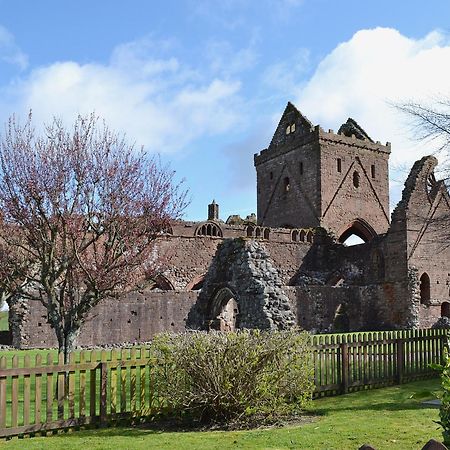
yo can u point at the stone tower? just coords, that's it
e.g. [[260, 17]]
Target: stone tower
[[213, 211], [311, 178]]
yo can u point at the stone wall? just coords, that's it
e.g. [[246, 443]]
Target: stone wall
[[134, 318]]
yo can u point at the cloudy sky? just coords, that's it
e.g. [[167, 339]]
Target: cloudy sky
[[203, 82]]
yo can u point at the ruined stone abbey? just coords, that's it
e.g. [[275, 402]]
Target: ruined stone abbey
[[315, 188]]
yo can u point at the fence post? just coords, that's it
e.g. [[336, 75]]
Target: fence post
[[103, 391], [400, 359], [444, 343], [344, 367]]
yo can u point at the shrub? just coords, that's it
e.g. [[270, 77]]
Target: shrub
[[444, 410], [216, 377]]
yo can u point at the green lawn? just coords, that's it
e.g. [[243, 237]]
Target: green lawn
[[390, 418]]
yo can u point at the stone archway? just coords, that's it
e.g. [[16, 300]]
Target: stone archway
[[225, 310], [357, 227]]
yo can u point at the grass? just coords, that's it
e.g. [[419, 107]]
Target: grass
[[390, 418], [4, 326]]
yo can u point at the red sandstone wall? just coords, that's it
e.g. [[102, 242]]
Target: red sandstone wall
[[134, 318]]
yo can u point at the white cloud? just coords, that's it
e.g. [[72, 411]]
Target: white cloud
[[362, 77], [10, 52], [157, 101]]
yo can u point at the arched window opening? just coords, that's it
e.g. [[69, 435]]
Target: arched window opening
[[302, 236], [196, 284], [209, 229], [352, 240], [224, 311], [309, 236], [271, 175], [250, 231], [424, 289], [288, 129], [301, 168], [372, 170], [266, 234], [356, 179], [287, 185], [357, 232], [294, 236], [445, 309], [161, 283], [339, 165], [258, 232]]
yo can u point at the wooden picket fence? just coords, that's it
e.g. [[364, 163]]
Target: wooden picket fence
[[355, 361], [99, 388], [93, 388]]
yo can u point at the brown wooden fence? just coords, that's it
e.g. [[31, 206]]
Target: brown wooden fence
[[92, 388], [105, 387], [355, 361]]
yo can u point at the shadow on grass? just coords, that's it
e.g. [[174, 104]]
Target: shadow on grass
[[177, 426]]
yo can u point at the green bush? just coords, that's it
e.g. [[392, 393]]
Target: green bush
[[217, 377], [444, 410]]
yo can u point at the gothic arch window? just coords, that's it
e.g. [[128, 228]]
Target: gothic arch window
[[360, 228], [224, 311], [258, 232], [209, 229], [339, 165], [266, 234], [294, 236], [424, 288], [302, 236], [161, 283], [309, 236], [250, 231], [196, 284], [356, 179], [445, 309]]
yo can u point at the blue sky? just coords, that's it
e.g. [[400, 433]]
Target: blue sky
[[204, 83]]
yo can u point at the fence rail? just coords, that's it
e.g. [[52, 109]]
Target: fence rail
[[350, 362], [105, 387]]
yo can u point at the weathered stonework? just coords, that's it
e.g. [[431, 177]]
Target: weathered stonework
[[245, 270], [289, 267]]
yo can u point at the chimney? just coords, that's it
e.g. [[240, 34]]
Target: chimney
[[213, 211]]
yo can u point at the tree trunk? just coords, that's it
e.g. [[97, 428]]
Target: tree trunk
[[69, 343]]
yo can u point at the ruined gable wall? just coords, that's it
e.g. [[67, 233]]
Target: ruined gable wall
[[422, 218]]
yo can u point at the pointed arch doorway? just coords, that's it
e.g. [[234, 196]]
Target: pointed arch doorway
[[224, 310]]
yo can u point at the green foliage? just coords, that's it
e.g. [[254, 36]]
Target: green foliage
[[444, 410], [234, 376]]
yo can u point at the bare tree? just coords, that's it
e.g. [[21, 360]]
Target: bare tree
[[431, 123], [82, 210]]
